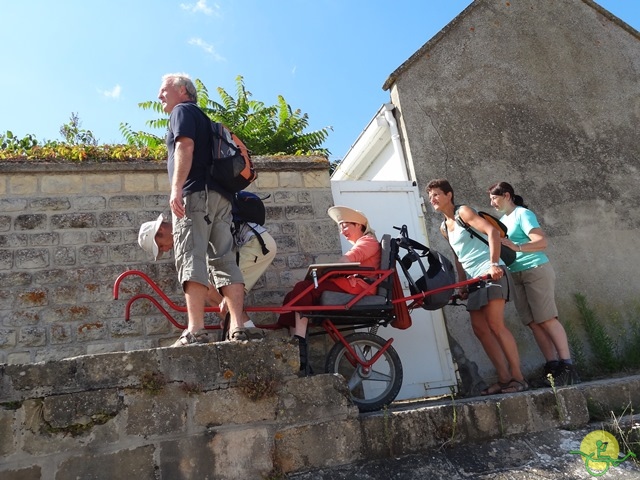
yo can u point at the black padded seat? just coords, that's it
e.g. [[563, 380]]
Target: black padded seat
[[383, 297]]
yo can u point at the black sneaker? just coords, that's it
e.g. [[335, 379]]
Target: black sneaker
[[565, 374], [543, 381]]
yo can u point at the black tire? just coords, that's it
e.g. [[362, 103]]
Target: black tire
[[372, 390]]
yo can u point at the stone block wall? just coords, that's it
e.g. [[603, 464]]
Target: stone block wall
[[235, 410], [68, 230], [223, 411]]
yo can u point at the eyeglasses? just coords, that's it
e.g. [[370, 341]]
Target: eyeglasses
[[344, 225]]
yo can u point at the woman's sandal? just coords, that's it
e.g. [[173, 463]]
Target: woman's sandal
[[515, 386], [495, 388]]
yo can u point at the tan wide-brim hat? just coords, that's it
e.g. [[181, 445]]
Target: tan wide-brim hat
[[147, 237], [345, 214]]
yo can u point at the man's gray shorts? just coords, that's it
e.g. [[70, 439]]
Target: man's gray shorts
[[202, 241]]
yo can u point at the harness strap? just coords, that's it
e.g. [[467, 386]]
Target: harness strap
[[265, 250]]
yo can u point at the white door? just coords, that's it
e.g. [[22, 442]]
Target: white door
[[423, 348]]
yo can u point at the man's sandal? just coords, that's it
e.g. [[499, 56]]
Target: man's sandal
[[515, 386], [238, 335], [188, 338]]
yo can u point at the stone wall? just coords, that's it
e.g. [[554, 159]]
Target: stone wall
[[237, 411], [68, 230], [223, 411]]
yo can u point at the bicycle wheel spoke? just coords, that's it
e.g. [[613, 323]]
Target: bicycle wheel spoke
[[376, 376], [355, 381]]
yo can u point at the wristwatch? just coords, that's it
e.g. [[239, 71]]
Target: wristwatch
[[494, 264]]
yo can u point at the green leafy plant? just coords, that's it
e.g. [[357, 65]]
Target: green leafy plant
[[454, 421], [557, 398], [603, 346], [79, 145], [9, 142], [575, 345], [630, 338], [266, 130]]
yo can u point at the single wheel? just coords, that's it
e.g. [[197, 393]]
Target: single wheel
[[370, 388]]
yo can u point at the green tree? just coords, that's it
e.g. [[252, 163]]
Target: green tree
[[277, 129]]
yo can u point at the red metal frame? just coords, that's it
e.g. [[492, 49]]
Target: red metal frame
[[351, 355], [330, 328]]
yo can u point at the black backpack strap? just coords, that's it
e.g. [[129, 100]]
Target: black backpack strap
[[468, 228], [212, 132], [265, 250]]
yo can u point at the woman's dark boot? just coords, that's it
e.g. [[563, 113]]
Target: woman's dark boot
[[303, 346]]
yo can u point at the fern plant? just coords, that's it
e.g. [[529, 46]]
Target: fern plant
[[266, 130], [276, 129]]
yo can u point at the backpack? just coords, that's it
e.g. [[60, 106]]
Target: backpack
[[495, 222], [507, 255], [439, 273], [231, 166], [247, 207]]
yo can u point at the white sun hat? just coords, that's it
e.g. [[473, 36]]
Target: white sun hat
[[341, 214], [147, 237]]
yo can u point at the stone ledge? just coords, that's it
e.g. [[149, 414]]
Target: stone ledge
[[103, 407], [135, 369], [267, 162]]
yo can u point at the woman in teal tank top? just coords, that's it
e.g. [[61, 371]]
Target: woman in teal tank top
[[534, 284], [485, 303]]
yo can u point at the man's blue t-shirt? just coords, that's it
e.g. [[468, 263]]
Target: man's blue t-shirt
[[519, 223], [187, 120]]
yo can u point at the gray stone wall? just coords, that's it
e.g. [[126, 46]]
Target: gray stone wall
[[235, 410], [68, 230], [543, 94], [224, 411]]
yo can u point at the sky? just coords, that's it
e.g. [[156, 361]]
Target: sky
[[99, 59]]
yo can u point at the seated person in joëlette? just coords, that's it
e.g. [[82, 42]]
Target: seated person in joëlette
[[366, 250]]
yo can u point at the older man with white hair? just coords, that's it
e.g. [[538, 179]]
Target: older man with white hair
[[201, 211]]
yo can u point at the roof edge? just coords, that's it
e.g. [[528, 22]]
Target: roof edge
[[430, 44], [621, 23], [438, 36]]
